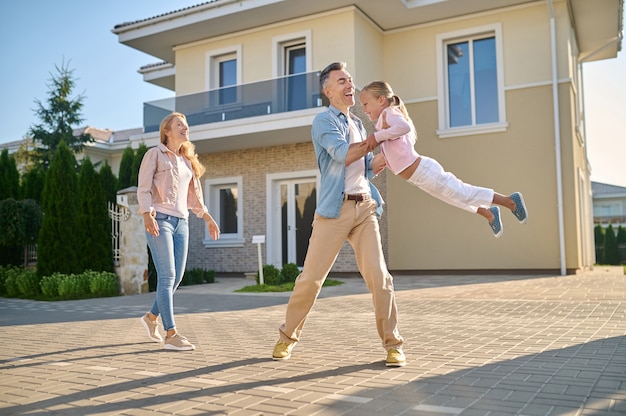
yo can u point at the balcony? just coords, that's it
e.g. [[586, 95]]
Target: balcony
[[290, 93]]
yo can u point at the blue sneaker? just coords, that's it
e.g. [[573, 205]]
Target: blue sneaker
[[520, 208], [496, 224]]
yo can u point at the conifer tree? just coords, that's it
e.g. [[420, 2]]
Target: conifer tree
[[109, 182], [126, 169], [611, 254], [9, 177], [598, 232], [32, 183], [57, 246], [94, 225], [20, 222], [58, 118], [621, 244], [141, 150]]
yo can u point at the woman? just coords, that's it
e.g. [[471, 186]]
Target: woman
[[168, 187]]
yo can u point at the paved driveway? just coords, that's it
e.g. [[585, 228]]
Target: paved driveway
[[476, 345]]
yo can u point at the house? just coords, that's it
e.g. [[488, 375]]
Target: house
[[609, 205], [495, 89], [107, 145]]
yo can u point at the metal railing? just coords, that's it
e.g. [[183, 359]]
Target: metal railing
[[279, 95]]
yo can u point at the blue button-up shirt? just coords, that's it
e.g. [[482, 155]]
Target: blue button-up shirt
[[331, 141]]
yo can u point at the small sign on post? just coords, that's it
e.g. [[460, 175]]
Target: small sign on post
[[258, 240]]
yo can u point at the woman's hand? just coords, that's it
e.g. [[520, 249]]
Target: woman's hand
[[152, 227], [214, 229]]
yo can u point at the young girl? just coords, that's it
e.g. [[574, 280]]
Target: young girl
[[396, 135]]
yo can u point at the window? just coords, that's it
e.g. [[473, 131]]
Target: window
[[292, 61], [224, 204], [471, 90], [295, 62], [292, 54], [224, 74], [227, 77]]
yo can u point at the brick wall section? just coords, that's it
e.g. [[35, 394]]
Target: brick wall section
[[253, 165]]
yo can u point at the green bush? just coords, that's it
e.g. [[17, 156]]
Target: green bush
[[193, 277], [209, 276], [10, 282], [271, 275], [102, 284], [289, 273], [74, 286], [50, 285], [28, 283], [198, 276], [3, 276]]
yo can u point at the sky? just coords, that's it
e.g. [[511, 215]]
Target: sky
[[38, 35]]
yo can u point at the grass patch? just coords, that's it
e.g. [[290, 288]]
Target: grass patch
[[285, 287]]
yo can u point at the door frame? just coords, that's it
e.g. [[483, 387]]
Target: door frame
[[273, 238]]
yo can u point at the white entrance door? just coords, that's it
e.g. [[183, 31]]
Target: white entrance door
[[292, 199]]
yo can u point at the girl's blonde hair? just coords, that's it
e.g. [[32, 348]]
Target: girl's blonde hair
[[383, 89], [187, 149]]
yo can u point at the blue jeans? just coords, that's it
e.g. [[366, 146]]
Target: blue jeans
[[169, 253]]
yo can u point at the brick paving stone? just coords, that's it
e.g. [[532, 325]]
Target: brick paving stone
[[476, 345]]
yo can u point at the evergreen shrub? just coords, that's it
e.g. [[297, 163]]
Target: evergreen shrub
[[50, 285], [28, 283], [102, 284], [271, 275], [289, 272]]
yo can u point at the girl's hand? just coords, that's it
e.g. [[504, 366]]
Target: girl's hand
[[378, 164], [371, 142]]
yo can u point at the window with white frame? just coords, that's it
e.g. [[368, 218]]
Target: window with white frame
[[224, 74], [470, 82], [292, 53], [223, 199], [292, 60]]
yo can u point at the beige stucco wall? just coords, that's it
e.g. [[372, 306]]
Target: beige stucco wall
[[420, 232], [427, 234], [257, 49]]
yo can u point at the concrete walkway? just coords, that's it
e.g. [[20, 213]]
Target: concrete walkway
[[476, 345]]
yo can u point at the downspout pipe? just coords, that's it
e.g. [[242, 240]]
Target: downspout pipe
[[557, 139]]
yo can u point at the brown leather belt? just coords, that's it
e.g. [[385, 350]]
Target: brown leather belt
[[358, 197]]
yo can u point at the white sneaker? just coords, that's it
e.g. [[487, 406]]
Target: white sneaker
[[152, 327], [178, 342]]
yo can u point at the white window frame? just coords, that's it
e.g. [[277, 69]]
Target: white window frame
[[212, 61], [279, 43], [211, 197], [444, 130]]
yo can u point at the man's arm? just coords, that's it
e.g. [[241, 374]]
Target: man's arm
[[356, 151]]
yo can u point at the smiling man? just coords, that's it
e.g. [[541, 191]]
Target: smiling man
[[348, 209]]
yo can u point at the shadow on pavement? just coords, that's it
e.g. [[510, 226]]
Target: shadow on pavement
[[574, 380]]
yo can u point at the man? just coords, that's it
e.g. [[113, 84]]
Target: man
[[348, 208]]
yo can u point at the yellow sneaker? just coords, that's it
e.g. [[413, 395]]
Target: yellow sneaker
[[395, 358], [282, 350]]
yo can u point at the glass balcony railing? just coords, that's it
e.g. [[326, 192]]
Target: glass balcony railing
[[290, 93]]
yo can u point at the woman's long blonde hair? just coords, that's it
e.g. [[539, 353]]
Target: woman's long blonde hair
[[187, 149]]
